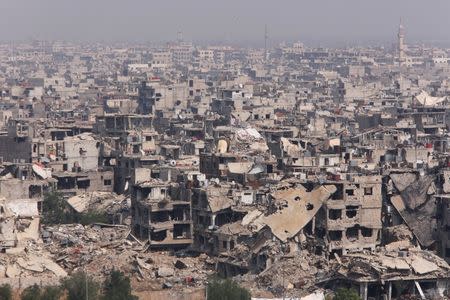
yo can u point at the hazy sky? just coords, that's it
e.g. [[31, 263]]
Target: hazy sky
[[315, 21]]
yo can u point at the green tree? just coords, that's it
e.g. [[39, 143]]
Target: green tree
[[51, 293], [78, 285], [56, 210], [346, 294], [5, 292], [91, 217], [117, 287], [35, 292], [31, 293], [226, 289]]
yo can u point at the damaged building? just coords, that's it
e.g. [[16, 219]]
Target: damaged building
[[294, 170]]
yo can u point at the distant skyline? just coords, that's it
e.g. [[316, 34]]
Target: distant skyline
[[315, 22]]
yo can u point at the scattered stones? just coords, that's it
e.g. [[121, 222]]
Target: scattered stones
[[165, 272]]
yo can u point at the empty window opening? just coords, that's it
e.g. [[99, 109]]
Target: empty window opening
[[178, 214], [368, 191], [158, 236], [334, 214], [320, 232], [335, 235], [350, 192], [34, 191], [351, 233], [351, 211], [160, 216], [84, 184], [366, 232], [181, 231]]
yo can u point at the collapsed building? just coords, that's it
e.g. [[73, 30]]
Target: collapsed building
[[294, 170]]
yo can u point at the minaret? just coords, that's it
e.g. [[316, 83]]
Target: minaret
[[401, 45], [179, 37]]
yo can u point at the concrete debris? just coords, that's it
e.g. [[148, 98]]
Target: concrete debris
[[294, 170], [393, 265], [299, 209], [423, 266], [421, 223], [285, 272], [415, 194], [30, 264], [403, 180], [12, 271], [97, 201], [398, 245], [426, 100], [165, 272], [398, 233]]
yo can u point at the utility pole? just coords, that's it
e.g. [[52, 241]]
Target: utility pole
[[86, 279]]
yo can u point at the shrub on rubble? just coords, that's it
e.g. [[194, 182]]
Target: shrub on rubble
[[117, 287], [346, 294], [92, 217], [5, 292], [78, 285], [226, 289], [55, 210], [35, 292], [51, 293]]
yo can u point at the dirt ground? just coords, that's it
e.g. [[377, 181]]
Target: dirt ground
[[172, 295]]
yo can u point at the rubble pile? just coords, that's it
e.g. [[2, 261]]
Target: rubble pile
[[392, 265], [105, 202], [100, 248], [292, 169], [26, 266], [294, 276]]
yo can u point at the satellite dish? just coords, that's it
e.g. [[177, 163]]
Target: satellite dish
[[173, 163], [195, 163]]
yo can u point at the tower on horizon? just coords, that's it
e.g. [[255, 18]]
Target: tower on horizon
[[401, 44], [265, 42]]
